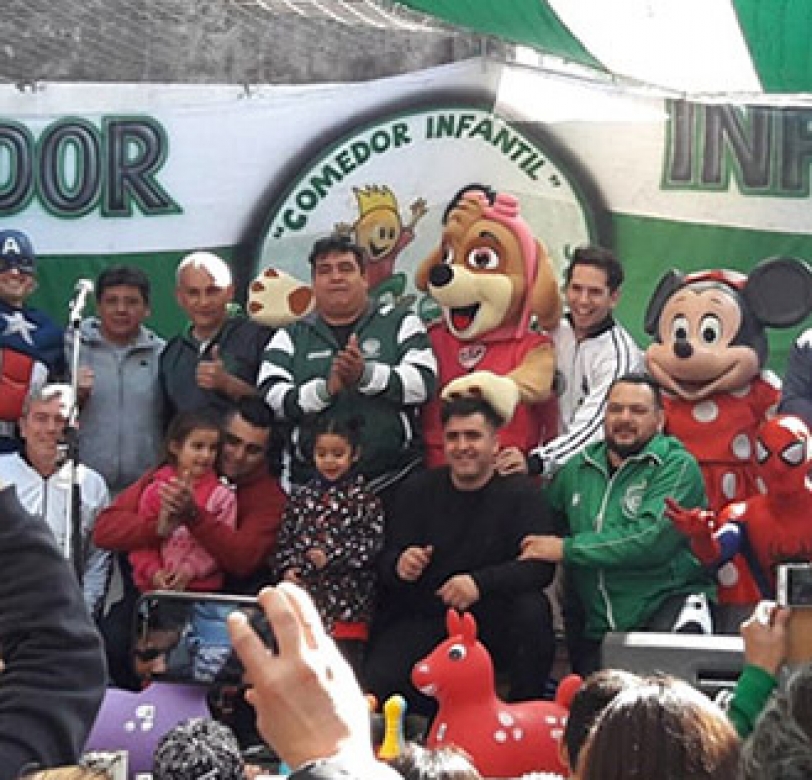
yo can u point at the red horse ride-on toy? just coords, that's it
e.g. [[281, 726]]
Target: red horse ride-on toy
[[502, 739]]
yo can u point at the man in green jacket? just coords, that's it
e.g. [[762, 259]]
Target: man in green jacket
[[628, 568]]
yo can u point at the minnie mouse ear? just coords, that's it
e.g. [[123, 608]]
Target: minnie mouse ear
[[670, 282], [779, 291]]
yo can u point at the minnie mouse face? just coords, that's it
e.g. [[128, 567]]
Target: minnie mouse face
[[699, 351], [710, 325]]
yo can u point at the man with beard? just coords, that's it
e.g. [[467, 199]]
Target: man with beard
[[626, 563]]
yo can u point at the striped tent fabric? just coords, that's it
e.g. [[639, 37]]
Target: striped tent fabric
[[698, 48]]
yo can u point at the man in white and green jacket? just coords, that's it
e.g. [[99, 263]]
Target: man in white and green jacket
[[627, 566], [351, 359]]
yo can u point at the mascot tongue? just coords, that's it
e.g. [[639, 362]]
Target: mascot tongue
[[461, 318]]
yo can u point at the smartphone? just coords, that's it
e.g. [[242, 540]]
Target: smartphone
[[794, 585], [794, 590], [183, 637]]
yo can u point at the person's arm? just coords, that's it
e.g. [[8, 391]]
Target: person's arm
[[167, 402], [241, 550], [119, 527], [765, 650], [308, 703], [95, 497], [212, 374], [288, 553], [96, 575], [412, 380], [586, 425], [192, 558], [146, 562], [531, 515], [650, 539], [289, 398], [796, 391], [714, 540], [403, 530], [54, 676]]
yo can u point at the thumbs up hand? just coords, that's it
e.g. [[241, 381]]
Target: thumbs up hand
[[211, 372]]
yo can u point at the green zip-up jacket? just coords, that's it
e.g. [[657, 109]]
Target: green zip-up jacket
[[624, 557]]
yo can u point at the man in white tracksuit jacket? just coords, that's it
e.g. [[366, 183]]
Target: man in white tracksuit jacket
[[43, 484], [591, 351]]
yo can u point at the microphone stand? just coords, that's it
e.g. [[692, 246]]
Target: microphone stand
[[74, 541]]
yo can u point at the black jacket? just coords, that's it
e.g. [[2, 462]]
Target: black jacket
[[241, 343], [54, 675], [477, 532]]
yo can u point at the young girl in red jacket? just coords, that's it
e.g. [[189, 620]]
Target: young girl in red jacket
[[180, 562]]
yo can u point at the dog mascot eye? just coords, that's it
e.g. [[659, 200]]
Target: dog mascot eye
[[483, 258], [448, 254]]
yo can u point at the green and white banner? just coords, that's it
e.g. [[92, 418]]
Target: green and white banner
[[719, 47], [97, 174]]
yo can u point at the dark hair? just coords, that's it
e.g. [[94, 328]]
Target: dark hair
[[166, 616], [597, 257], [780, 747], [442, 763], [591, 699], [468, 405], [253, 410], [661, 728], [335, 245], [123, 275], [182, 426], [639, 378], [483, 189], [198, 748], [349, 430]]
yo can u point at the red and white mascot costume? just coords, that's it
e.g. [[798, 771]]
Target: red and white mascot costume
[[709, 355], [772, 527], [490, 277]]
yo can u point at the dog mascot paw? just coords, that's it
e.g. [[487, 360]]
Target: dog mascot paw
[[709, 355], [490, 277], [277, 299]]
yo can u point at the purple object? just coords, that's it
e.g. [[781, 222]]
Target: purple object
[[135, 722]]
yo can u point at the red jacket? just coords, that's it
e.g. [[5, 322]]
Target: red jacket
[[239, 551]]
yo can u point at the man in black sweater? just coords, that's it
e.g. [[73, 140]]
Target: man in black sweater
[[453, 540], [53, 667]]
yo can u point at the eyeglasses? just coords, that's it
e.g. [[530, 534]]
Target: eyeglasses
[[236, 441]]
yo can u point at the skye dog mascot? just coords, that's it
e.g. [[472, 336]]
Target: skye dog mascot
[[490, 277]]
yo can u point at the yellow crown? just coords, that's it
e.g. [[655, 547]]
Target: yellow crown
[[374, 197]]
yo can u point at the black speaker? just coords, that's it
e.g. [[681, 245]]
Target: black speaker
[[709, 663]]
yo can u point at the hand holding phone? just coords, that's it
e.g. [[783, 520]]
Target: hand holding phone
[[308, 702]]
